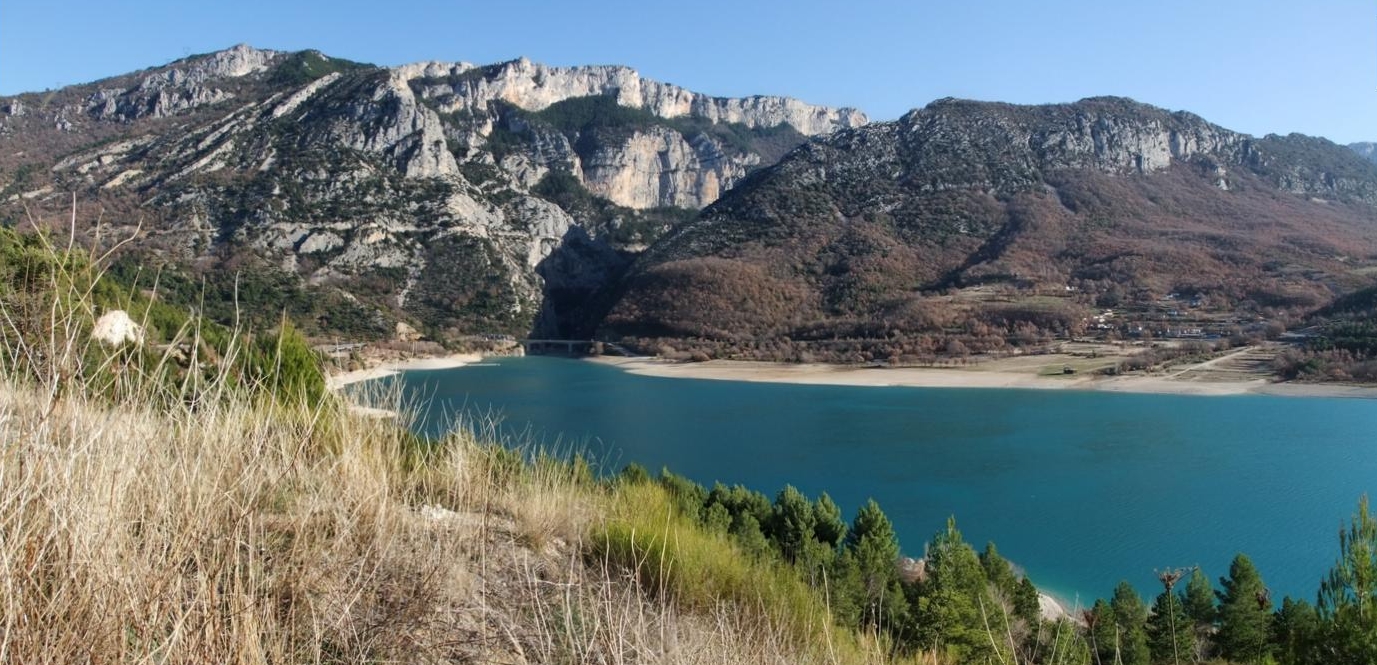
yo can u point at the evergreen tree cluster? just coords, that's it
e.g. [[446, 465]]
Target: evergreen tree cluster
[[970, 606], [973, 607], [1238, 622]]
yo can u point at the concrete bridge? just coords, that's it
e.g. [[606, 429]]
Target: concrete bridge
[[573, 347]]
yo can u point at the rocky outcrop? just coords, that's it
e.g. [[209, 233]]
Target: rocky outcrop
[[115, 328], [381, 115], [1367, 150], [659, 163], [1004, 148], [1108, 134], [180, 86], [532, 86], [660, 167]]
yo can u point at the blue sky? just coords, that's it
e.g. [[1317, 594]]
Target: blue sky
[[1257, 66]]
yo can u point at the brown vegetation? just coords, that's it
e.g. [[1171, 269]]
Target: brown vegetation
[[785, 273]]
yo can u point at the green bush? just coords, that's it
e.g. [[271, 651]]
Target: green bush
[[673, 555], [284, 364]]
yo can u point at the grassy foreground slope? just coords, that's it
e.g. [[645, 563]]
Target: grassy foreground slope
[[160, 504], [242, 533]]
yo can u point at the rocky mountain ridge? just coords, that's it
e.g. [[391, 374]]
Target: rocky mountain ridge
[[513, 198], [981, 222], [423, 192], [534, 87]]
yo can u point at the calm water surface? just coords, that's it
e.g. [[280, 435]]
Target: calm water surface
[[1081, 488]]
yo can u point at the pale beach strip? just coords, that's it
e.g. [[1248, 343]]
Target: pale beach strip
[[936, 377], [337, 381]]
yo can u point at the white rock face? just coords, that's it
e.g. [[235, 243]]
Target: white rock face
[[238, 60], [320, 241], [391, 121], [547, 225], [406, 333], [1126, 146], [654, 167], [115, 328], [295, 99], [659, 168], [534, 86], [1111, 135], [184, 85]]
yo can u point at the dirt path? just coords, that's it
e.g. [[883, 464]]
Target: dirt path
[[1213, 361], [1247, 363]]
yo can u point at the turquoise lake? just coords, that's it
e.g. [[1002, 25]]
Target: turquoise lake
[[1082, 489]]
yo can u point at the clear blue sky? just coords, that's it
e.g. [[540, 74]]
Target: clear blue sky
[[1257, 66]]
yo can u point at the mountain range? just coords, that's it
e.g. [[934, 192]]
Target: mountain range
[[522, 199], [434, 193], [989, 223]]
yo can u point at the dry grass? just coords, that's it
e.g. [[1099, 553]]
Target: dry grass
[[219, 527]]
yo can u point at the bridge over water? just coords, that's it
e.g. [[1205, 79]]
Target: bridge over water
[[573, 347]]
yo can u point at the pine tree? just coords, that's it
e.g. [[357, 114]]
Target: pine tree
[[1171, 634], [1026, 603], [1019, 592], [1130, 618], [1245, 613], [792, 523], [1348, 596], [739, 503], [1295, 633], [875, 549], [716, 518], [689, 496], [1103, 633], [749, 537], [956, 610], [998, 571], [830, 528], [845, 592], [1198, 601]]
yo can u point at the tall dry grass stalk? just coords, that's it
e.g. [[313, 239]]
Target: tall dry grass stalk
[[143, 521]]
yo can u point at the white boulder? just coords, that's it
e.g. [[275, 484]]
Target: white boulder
[[116, 328]]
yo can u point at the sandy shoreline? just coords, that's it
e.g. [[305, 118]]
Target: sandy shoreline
[[1023, 375], [924, 377], [337, 381], [1052, 608]]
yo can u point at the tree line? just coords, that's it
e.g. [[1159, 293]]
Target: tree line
[[974, 606]]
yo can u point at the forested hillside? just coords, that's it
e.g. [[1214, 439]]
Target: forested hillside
[[998, 226]]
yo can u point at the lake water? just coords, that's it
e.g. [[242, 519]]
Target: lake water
[[1083, 489]]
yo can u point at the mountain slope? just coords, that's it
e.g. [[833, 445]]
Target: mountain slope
[[1367, 150], [425, 193], [996, 224]]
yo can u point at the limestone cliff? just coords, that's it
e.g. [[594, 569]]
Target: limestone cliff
[[435, 193], [671, 161], [532, 86]]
